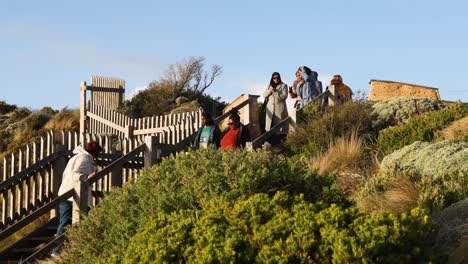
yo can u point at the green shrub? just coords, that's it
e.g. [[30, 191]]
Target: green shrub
[[397, 110], [421, 128], [261, 229], [438, 170], [319, 129], [183, 182]]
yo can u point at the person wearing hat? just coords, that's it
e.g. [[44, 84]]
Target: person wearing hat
[[79, 168]]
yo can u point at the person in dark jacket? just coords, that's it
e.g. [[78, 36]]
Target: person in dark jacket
[[236, 135], [209, 134]]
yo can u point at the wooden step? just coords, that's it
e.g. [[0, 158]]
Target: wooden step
[[24, 250], [42, 238], [13, 261]]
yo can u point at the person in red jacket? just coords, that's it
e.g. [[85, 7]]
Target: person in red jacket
[[236, 135]]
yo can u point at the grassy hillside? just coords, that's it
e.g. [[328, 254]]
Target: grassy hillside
[[303, 206], [19, 126]]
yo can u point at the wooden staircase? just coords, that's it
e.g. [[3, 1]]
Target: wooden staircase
[[23, 251]]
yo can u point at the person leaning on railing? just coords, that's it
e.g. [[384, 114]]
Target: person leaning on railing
[[79, 168]]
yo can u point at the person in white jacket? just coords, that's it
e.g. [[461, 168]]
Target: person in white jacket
[[79, 168]]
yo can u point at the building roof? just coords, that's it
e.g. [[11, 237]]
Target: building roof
[[373, 80]]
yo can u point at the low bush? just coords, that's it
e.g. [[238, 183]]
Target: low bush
[[398, 110], [314, 136], [422, 128], [439, 171], [261, 229], [184, 182]]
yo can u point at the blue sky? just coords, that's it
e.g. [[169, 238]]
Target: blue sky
[[48, 47]]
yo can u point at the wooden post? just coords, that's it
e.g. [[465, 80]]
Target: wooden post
[[150, 154], [82, 110], [293, 123], [251, 116], [59, 166], [128, 131], [116, 176], [80, 201], [249, 146], [332, 95]]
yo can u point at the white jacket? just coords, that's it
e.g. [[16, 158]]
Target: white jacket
[[78, 168]]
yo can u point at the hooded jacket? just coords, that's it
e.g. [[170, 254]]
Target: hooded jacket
[[78, 168], [309, 89]]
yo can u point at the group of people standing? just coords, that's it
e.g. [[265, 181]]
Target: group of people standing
[[234, 136], [304, 89]]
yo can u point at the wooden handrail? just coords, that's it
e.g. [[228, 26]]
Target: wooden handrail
[[255, 143], [318, 97], [227, 114], [106, 122], [29, 170], [36, 214], [119, 162]]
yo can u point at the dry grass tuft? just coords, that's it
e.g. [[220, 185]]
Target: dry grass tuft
[[400, 196], [343, 155], [66, 119], [457, 130]]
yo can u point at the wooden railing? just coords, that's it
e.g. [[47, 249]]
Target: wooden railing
[[102, 120], [32, 175], [167, 149], [256, 143], [291, 121], [98, 117], [116, 170], [173, 132]]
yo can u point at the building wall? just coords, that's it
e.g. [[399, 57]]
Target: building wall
[[380, 90]]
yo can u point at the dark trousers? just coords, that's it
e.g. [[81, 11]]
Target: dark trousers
[[65, 216]]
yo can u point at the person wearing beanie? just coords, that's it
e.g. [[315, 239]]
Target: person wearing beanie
[[79, 168]]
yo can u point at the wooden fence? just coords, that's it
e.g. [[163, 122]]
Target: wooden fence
[[108, 92], [99, 116], [32, 175]]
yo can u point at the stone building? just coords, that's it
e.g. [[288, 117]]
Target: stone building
[[380, 90]]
